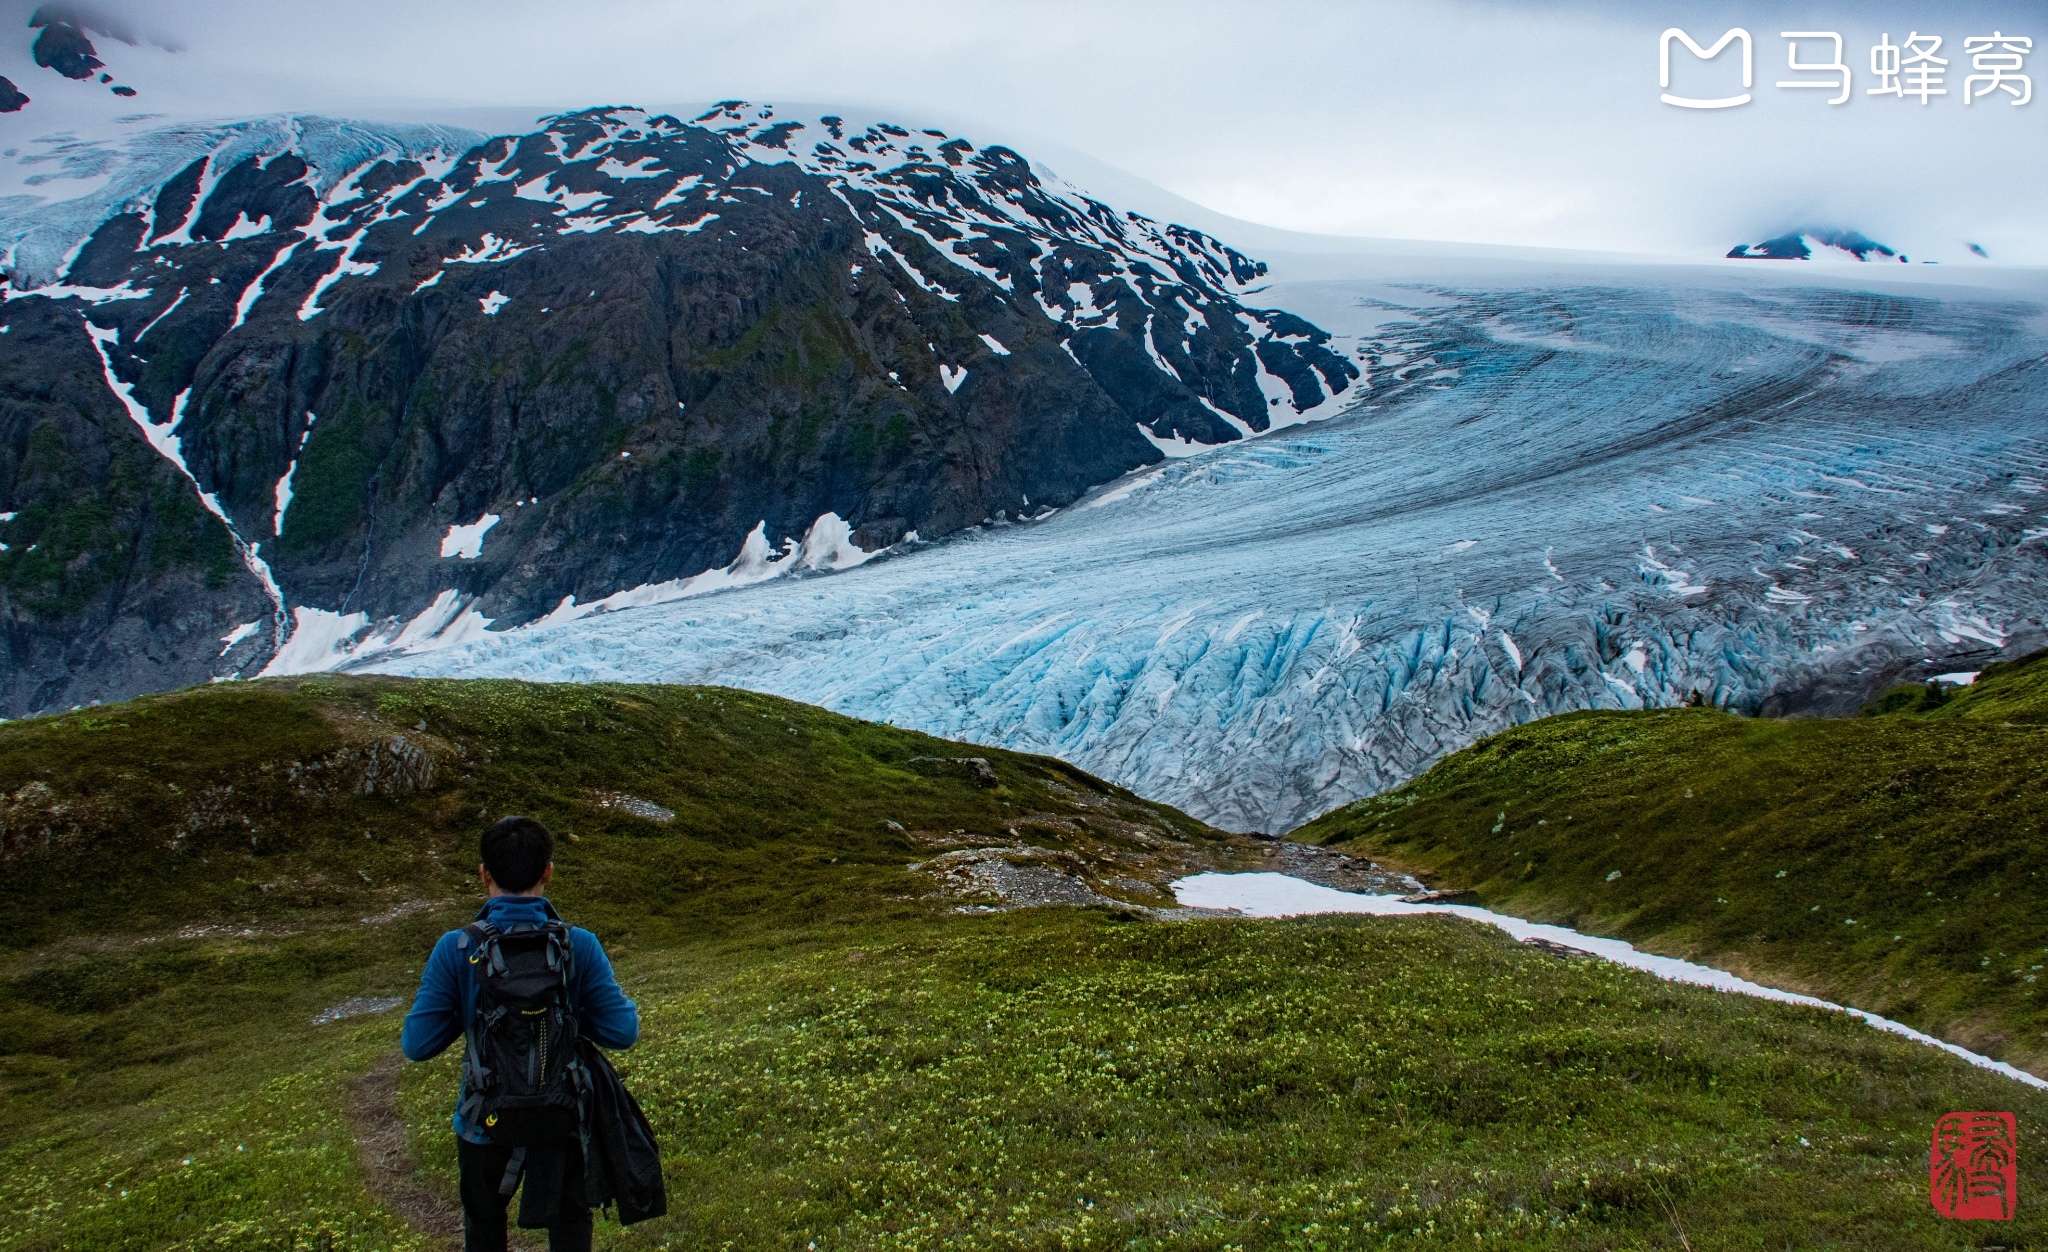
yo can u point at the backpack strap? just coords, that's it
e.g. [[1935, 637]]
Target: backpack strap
[[480, 936], [514, 1167], [561, 949]]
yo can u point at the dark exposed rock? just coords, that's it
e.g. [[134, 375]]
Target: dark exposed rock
[[634, 341], [174, 201], [113, 577], [11, 98], [64, 48], [275, 193]]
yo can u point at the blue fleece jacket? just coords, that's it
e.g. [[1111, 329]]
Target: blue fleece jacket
[[447, 995]]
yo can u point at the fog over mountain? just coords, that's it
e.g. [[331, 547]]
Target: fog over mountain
[[1503, 123]]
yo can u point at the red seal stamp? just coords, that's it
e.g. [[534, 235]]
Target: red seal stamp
[[1973, 1170]]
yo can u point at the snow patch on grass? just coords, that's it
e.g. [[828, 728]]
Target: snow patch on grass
[[1280, 895]]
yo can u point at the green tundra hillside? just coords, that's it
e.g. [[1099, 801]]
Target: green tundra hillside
[[275, 804], [1894, 861], [897, 993]]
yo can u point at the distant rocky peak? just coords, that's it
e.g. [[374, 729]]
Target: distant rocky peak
[[64, 48], [928, 173], [64, 45], [1805, 245], [983, 211]]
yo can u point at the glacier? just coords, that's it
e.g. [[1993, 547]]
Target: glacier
[[1590, 487], [56, 189]]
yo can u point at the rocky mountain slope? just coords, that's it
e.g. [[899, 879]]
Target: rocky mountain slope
[[319, 390]]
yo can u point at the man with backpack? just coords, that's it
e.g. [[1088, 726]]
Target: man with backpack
[[529, 994]]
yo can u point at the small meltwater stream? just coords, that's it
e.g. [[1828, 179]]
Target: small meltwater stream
[[1280, 895]]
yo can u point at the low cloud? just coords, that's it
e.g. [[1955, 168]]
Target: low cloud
[[104, 20], [1496, 121]]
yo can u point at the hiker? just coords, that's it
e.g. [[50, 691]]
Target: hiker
[[546, 993]]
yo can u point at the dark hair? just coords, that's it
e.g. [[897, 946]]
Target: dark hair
[[517, 850]]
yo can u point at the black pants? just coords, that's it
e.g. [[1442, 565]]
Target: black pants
[[558, 1169]]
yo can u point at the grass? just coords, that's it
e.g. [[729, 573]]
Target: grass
[[1063, 1080], [274, 804], [833, 1055], [240, 1143], [1892, 861]]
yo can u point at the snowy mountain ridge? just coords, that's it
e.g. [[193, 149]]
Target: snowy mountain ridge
[[329, 309]]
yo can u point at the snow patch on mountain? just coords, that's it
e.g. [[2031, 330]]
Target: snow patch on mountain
[[1280, 895], [466, 542], [163, 438], [322, 641], [828, 545]]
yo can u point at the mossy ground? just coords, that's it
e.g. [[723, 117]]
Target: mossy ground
[[1895, 861], [833, 1056]]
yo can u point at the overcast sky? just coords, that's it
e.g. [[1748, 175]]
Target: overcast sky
[[1516, 123]]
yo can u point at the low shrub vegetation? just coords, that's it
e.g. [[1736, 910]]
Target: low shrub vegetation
[[834, 1054], [1895, 861]]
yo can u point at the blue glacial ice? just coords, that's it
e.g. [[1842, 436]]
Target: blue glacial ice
[[56, 189], [1591, 487]]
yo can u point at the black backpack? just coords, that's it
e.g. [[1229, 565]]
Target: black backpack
[[520, 1072]]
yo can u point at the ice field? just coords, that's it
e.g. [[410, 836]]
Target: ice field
[[1592, 487]]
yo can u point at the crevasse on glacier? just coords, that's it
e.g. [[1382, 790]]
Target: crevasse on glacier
[[1604, 492]]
